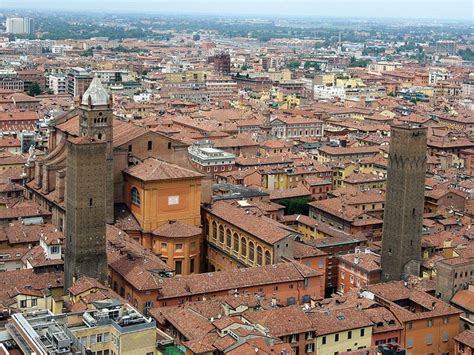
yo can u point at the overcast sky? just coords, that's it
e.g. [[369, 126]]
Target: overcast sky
[[447, 9]]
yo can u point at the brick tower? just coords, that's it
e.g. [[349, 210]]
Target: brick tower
[[404, 203], [89, 188], [96, 120]]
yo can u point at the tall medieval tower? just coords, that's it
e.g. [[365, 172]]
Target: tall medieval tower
[[404, 203], [96, 120], [89, 188]]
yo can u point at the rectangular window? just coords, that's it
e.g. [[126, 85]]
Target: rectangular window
[[173, 200], [92, 339], [191, 266], [179, 247], [55, 249], [336, 337], [34, 302], [410, 325], [430, 322], [410, 343], [445, 320], [362, 332], [23, 304], [323, 340], [349, 335], [164, 246], [445, 336], [99, 338], [429, 339], [150, 145], [178, 267], [321, 263]]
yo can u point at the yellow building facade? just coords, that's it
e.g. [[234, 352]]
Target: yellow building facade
[[339, 342]]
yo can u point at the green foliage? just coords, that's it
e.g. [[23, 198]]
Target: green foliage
[[88, 53], [360, 63], [57, 29], [244, 67], [123, 49], [309, 64], [296, 205], [408, 46], [373, 51], [196, 37], [294, 64], [34, 89], [467, 54]]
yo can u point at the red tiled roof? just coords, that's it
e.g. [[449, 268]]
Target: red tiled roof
[[152, 169]]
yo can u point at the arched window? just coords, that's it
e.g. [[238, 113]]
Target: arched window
[[259, 256], [135, 196], [236, 243], [268, 258], [221, 234], [228, 237], [251, 251], [214, 230], [243, 247]]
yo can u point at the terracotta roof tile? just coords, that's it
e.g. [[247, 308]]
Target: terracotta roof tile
[[177, 229], [152, 169]]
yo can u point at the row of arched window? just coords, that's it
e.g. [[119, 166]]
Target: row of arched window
[[234, 242]]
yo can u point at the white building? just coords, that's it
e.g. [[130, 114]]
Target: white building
[[384, 66], [20, 25], [59, 49], [321, 92], [468, 87], [113, 76], [438, 74], [284, 127], [209, 159], [143, 96], [58, 84]]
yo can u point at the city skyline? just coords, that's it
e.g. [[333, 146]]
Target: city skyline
[[418, 9]]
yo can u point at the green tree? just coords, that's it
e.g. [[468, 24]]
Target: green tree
[[88, 53], [34, 89], [310, 64], [294, 64], [296, 205], [360, 63], [467, 54], [196, 37]]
